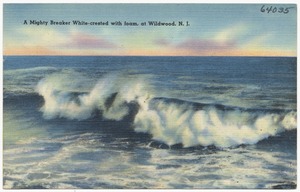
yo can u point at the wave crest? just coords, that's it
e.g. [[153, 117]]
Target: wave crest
[[63, 97], [168, 120], [209, 125]]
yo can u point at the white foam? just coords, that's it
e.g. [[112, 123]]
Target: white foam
[[169, 122], [176, 123], [58, 92]]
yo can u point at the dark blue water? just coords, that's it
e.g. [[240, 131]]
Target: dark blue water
[[149, 122]]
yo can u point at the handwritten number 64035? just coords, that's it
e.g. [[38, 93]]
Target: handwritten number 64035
[[274, 9]]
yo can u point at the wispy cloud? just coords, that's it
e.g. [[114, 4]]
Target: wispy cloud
[[86, 41], [40, 36], [258, 41], [209, 32], [231, 32], [199, 46], [205, 45], [161, 41]]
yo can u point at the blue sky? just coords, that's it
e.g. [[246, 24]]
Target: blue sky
[[215, 29]]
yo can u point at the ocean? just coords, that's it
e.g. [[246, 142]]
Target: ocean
[[101, 122]]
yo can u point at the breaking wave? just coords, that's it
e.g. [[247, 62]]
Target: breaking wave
[[168, 120]]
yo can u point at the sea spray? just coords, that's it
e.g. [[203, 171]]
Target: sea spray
[[167, 120], [63, 97], [181, 123]]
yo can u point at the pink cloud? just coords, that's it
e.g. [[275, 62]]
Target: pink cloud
[[86, 41], [197, 44], [205, 45]]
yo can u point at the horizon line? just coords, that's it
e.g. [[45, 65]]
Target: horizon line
[[146, 56]]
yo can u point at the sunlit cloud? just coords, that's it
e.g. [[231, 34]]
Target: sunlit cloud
[[231, 32], [258, 41], [48, 41], [224, 40], [34, 41], [209, 33], [230, 41], [41, 36]]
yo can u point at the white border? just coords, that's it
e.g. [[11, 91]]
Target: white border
[[141, 2]]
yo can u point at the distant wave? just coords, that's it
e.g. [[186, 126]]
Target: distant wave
[[22, 81], [171, 121], [29, 70]]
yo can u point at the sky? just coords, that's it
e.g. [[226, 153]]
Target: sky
[[213, 30]]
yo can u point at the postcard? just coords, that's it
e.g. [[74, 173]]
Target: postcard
[[149, 96]]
